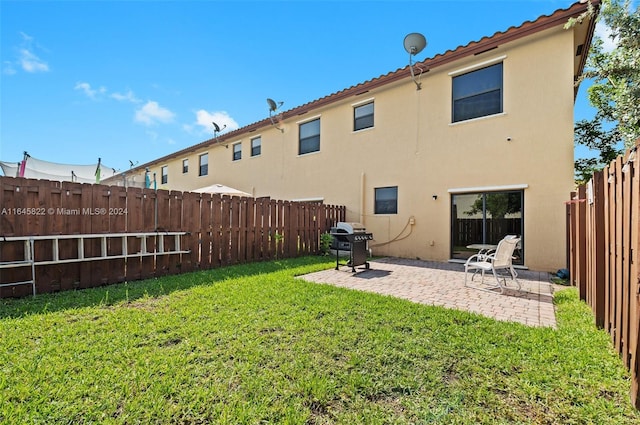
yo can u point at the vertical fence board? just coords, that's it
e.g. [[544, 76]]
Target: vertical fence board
[[251, 230], [291, 230], [67, 276], [581, 239], [279, 229], [315, 212], [99, 224], [597, 254], [225, 224], [191, 225], [263, 228], [304, 228], [162, 219], [134, 224], [634, 281], [117, 224], [626, 264], [218, 231], [85, 278], [244, 251], [234, 227], [270, 226], [149, 224], [42, 194], [206, 229], [573, 237], [174, 261], [609, 299], [618, 256], [33, 194]]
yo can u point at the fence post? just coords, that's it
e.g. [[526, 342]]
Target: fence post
[[581, 243], [572, 243], [598, 249], [634, 281]]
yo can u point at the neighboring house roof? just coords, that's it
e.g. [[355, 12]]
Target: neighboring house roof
[[559, 17]]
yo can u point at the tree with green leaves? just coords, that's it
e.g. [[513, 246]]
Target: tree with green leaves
[[498, 205], [615, 91]]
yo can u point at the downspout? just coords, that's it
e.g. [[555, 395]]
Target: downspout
[[362, 188]]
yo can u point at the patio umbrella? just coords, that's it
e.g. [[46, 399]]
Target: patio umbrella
[[222, 190]]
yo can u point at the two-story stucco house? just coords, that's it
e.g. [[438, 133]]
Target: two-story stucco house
[[483, 149]]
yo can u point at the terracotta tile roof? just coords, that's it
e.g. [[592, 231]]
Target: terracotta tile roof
[[559, 17]]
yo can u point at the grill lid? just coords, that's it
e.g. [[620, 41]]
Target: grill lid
[[350, 227]]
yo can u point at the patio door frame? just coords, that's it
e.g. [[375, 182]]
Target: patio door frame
[[484, 191]]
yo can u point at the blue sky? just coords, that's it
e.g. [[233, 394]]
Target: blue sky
[[136, 80]]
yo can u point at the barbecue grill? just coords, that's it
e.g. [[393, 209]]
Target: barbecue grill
[[352, 237]]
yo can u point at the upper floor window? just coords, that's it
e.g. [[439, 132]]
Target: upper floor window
[[363, 116], [203, 164], [164, 171], [185, 166], [309, 137], [477, 93], [237, 151], [256, 146], [386, 200]]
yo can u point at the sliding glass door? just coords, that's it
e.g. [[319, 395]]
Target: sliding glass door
[[485, 218]]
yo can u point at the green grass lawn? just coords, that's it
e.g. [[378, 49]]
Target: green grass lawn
[[252, 344]]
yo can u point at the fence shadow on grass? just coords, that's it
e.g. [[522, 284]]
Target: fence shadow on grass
[[152, 288]]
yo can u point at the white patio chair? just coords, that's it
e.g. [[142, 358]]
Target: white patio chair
[[499, 260]]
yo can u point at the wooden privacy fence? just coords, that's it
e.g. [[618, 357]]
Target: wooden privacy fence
[[603, 218], [216, 231], [467, 230]]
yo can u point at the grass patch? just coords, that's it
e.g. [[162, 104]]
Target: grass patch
[[253, 344]]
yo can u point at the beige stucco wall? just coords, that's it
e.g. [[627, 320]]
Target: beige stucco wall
[[414, 146]]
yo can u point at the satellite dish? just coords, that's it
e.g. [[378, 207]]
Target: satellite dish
[[273, 106], [414, 43], [217, 128]]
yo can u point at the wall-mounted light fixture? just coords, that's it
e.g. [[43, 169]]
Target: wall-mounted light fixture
[[273, 108], [414, 43]]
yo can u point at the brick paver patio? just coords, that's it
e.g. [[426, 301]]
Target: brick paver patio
[[442, 284]]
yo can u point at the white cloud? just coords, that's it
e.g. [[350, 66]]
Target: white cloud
[[152, 113], [204, 119], [26, 58], [31, 63], [603, 32], [127, 97], [88, 91]]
